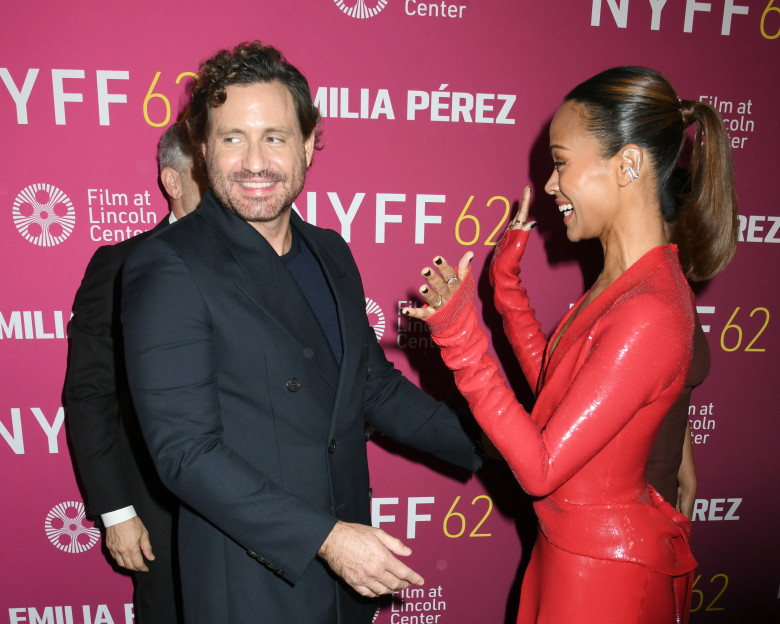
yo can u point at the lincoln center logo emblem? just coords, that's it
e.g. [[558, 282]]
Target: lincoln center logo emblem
[[358, 8], [44, 215], [375, 317], [66, 528]]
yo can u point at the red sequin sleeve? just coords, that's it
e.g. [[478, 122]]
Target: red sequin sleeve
[[511, 300]]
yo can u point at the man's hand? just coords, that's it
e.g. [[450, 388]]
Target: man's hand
[[128, 542], [363, 557]]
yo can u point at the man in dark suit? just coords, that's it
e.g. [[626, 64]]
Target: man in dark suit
[[121, 487], [255, 372]]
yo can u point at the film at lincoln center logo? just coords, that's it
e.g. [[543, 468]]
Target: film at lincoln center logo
[[361, 9], [43, 214], [68, 529], [375, 317]]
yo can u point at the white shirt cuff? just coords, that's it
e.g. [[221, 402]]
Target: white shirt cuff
[[120, 515]]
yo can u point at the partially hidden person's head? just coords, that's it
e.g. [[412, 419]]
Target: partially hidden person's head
[[254, 123], [180, 176], [637, 106]]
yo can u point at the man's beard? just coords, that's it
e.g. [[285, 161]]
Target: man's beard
[[257, 210]]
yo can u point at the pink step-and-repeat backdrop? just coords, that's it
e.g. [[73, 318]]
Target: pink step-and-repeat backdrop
[[436, 116]]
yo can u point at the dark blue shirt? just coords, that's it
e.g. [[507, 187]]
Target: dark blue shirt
[[311, 280]]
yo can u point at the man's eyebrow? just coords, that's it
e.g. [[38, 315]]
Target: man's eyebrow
[[228, 130]]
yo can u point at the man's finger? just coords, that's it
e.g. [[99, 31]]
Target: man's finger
[[393, 544], [119, 560], [137, 560], [146, 547], [402, 574], [395, 567]]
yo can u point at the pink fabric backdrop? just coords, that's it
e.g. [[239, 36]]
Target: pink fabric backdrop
[[436, 117]]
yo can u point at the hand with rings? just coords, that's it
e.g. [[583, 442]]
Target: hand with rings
[[442, 284], [520, 220]]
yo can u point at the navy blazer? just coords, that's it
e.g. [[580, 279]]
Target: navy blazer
[[111, 459], [112, 462], [251, 421]]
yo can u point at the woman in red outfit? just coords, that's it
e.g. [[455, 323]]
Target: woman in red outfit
[[609, 548]]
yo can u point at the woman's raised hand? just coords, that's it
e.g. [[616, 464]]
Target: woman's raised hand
[[443, 281], [520, 220]]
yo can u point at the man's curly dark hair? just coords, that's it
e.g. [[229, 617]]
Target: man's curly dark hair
[[248, 63]]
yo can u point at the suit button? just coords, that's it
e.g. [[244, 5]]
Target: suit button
[[332, 446], [293, 385]]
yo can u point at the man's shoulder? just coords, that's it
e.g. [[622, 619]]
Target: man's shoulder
[[126, 246], [175, 234], [108, 259], [118, 252], [191, 240]]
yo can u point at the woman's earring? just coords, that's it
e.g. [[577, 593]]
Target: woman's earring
[[633, 175]]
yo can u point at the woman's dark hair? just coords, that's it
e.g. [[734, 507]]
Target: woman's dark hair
[[248, 63], [638, 105]]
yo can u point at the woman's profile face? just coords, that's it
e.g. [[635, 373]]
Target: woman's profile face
[[583, 183]]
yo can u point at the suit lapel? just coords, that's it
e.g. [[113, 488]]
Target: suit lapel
[[271, 287], [348, 315], [350, 307]]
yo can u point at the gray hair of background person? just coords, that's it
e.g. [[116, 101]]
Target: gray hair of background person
[[175, 149]]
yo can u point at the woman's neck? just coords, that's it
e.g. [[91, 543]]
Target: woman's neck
[[638, 229]]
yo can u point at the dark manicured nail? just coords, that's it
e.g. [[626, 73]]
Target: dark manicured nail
[[439, 260]]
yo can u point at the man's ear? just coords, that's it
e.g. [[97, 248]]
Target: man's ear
[[171, 181], [630, 163], [308, 147]]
